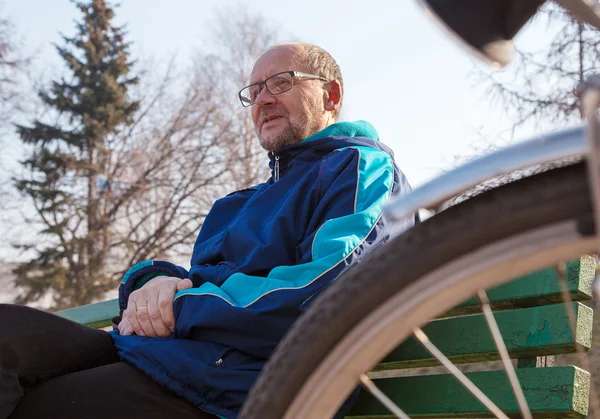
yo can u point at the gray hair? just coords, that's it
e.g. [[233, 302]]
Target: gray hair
[[320, 63]]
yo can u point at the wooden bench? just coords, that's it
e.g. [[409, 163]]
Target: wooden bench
[[534, 326]]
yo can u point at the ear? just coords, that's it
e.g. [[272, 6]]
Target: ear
[[333, 95]]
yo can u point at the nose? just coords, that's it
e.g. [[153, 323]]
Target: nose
[[264, 97]]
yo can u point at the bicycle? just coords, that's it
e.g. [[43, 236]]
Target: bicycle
[[525, 225]]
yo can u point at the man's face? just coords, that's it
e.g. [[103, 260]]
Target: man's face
[[290, 117]]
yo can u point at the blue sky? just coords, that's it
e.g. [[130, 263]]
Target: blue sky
[[401, 72]]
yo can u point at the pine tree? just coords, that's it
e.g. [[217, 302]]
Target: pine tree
[[68, 164]]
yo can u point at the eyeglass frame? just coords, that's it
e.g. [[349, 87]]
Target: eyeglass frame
[[294, 74]]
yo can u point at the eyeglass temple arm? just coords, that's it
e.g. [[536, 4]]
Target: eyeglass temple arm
[[308, 76]]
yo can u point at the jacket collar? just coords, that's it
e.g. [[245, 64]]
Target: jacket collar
[[340, 134], [340, 129], [346, 129]]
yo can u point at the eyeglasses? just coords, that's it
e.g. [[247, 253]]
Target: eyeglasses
[[276, 85]]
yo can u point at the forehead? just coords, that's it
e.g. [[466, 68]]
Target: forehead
[[275, 61]]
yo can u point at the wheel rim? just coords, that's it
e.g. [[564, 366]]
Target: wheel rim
[[438, 291]]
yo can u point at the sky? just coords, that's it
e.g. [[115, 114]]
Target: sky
[[401, 73]]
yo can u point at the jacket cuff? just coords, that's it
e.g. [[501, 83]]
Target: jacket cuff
[[143, 272]]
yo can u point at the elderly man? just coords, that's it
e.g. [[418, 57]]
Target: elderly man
[[191, 344]]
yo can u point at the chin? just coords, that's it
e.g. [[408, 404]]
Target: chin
[[269, 144], [277, 139], [270, 139]]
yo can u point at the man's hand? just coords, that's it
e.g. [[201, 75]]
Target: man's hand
[[150, 309]]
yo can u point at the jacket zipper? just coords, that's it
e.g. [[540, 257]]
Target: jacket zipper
[[276, 168], [219, 361]]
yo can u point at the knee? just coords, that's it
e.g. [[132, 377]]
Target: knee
[[11, 324], [9, 359], [8, 309]]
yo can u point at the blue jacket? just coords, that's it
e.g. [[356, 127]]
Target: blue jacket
[[261, 256]]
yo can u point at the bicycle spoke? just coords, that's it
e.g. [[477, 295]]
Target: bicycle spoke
[[380, 395], [433, 350], [561, 270], [508, 366]]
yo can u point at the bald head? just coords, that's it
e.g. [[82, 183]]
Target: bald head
[[302, 95], [314, 60]]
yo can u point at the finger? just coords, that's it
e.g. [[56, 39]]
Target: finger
[[131, 316], [165, 305], [125, 328], [184, 284], [155, 315], [143, 318]]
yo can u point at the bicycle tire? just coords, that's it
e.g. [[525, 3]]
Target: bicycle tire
[[530, 204]]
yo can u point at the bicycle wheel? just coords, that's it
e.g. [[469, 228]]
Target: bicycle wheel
[[494, 237]]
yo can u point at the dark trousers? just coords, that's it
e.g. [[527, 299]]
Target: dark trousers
[[51, 367]]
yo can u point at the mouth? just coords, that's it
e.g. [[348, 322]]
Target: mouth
[[270, 119]]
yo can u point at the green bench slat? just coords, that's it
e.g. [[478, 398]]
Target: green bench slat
[[539, 288], [95, 315], [537, 331], [536, 289], [550, 392]]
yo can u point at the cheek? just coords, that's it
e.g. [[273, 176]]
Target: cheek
[[310, 105], [254, 113]]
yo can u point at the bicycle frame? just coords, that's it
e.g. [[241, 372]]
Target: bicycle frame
[[574, 142], [582, 141], [547, 148]]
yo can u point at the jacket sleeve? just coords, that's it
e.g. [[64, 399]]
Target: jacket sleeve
[[256, 311], [142, 272]]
